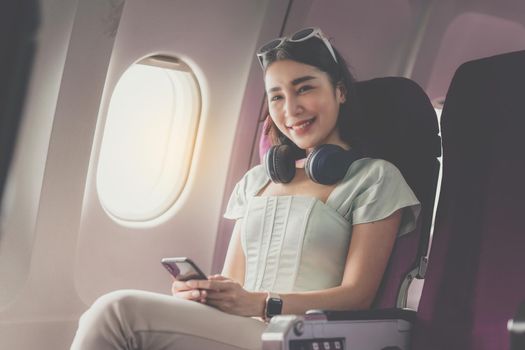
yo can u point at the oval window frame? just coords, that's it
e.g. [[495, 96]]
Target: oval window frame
[[189, 89]]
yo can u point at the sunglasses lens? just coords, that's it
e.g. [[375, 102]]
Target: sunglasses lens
[[270, 46], [302, 34]]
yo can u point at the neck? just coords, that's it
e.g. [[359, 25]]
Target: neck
[[299, 163], [345, 146]]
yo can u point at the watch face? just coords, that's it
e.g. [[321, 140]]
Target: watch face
[[275, 306]]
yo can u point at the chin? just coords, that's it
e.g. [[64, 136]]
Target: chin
[[305, 145]]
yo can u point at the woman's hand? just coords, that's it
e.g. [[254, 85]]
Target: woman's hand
[[183, 290], [229, 296]]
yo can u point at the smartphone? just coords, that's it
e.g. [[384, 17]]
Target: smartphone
[[183, 269]]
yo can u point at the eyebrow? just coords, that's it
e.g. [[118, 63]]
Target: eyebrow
[[294, 82]]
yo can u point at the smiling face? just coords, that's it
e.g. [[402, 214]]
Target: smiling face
[[303, 103]]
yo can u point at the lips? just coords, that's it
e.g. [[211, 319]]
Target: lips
[[300, 125]]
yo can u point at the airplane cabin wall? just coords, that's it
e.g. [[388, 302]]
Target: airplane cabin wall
[[23, 188], [60, 249], [71, 54], [220, 56], [71, 251]]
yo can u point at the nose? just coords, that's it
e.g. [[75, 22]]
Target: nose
[[292, 107]]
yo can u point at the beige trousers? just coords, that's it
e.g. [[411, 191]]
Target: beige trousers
[[132, 319]]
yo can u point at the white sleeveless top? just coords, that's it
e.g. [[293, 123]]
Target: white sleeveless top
[[298, 243]]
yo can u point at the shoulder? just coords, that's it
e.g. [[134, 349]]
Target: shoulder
[[254, 179], [256, 172], [371, 169], [247, 187], [372, 190], [369, 175]]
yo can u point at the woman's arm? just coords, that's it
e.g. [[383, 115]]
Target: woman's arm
[[233, 270], [368, 255], [234, 263]]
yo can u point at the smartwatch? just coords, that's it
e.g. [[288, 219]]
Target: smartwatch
[[274, 305]]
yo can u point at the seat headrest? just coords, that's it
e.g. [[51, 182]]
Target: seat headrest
[[396, 115]]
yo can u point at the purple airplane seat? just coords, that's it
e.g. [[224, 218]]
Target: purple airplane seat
[[476, 274]]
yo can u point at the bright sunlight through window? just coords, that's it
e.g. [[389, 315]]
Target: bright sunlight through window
[[148, 139]]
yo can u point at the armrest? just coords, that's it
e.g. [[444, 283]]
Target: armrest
[[376, 314], [341, 330]]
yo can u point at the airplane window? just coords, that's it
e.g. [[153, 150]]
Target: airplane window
[[148, 139]]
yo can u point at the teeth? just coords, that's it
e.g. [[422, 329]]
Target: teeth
[[303, 125]]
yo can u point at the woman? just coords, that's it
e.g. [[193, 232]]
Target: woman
[[290, 250]]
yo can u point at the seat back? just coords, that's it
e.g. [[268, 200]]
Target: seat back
[[476, 275], [399, 124]]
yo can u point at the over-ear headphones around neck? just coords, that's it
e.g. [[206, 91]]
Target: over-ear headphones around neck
[[326, 164]]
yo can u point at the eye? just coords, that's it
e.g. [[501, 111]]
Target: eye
[[304, 88], [275, 98]]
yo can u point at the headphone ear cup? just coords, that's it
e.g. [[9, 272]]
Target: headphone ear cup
[[280, 164], [328, 164], [308, 164]]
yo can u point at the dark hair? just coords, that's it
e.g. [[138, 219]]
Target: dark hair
[[314, 53]]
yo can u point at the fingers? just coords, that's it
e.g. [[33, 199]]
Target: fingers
[[218, 287], [205, 284], [182, 290], [217, 278], [179, 286], [212, 283], [213, 295], [228, 292], [194, 294]]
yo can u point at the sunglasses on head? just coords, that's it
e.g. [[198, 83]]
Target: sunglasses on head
[[301, 35]]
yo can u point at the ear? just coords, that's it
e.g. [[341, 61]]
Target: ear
[[340, 92]]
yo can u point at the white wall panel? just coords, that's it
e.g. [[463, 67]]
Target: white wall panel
[[21, 200], [217, 40], [45, 310]]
